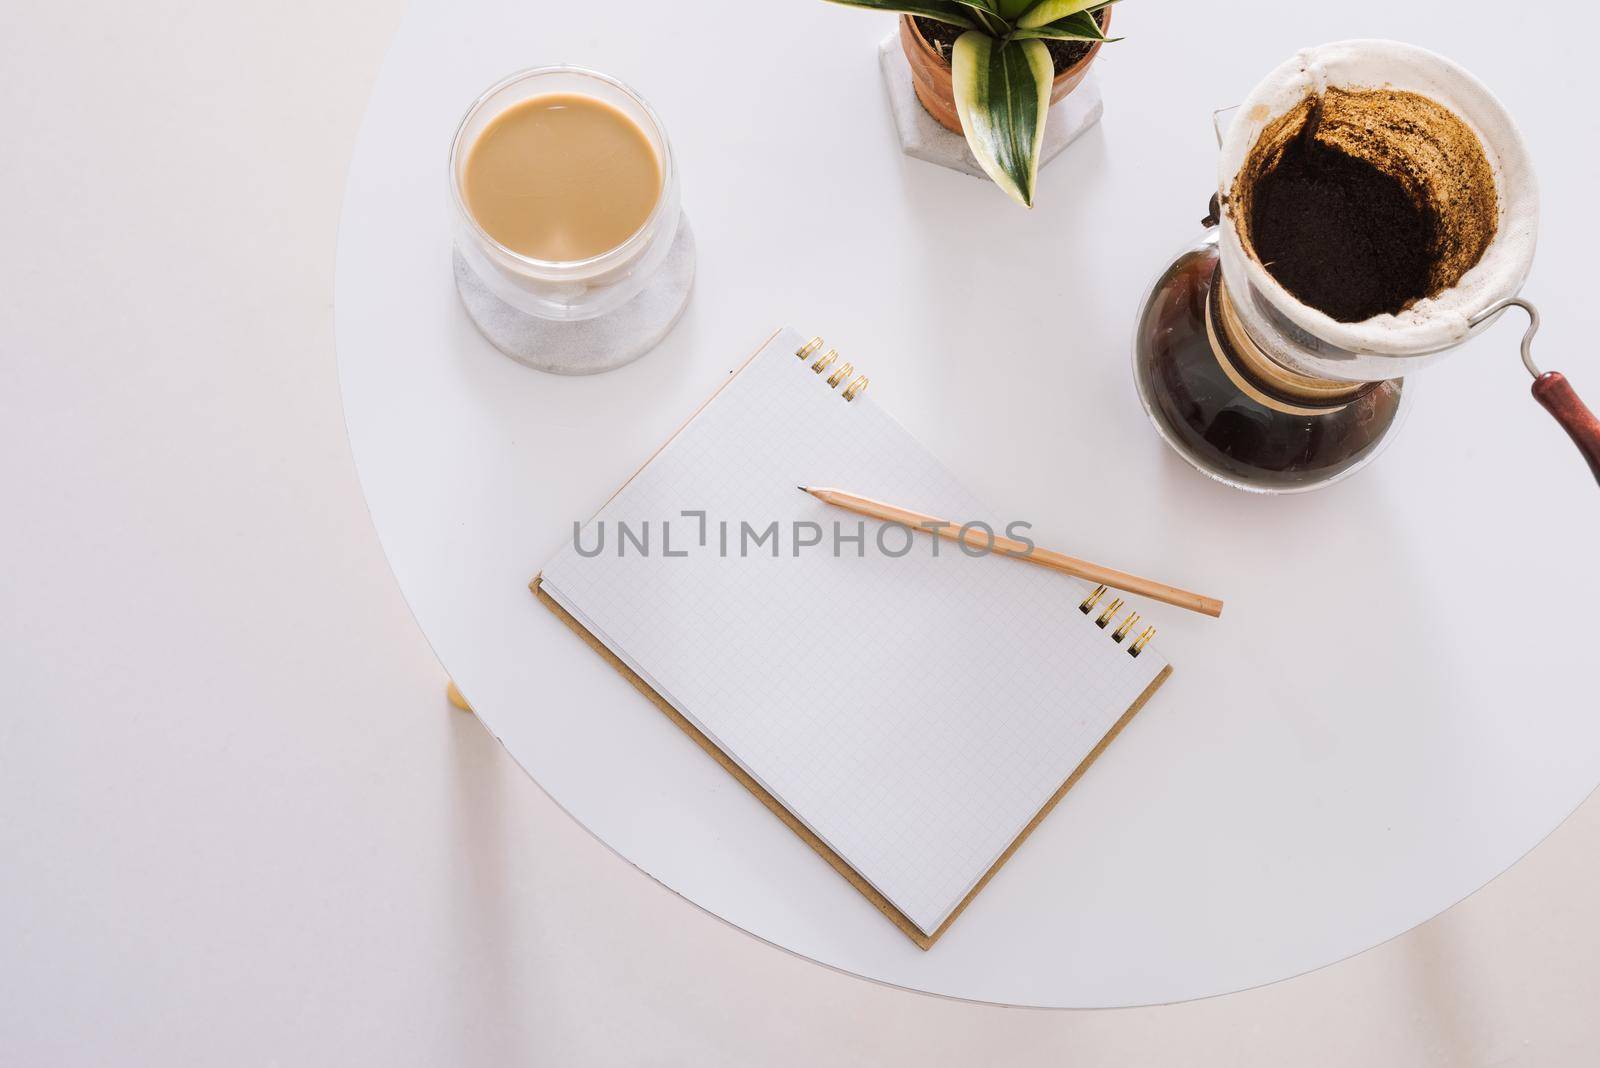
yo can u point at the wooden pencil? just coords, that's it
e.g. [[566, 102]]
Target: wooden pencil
[[978, 539]]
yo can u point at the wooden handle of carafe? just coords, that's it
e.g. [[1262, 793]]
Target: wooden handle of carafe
[[1552, 390]]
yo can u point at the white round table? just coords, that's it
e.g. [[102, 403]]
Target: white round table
[[1397, 703]]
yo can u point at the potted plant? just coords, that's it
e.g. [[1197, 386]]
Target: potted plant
[[990, 69]]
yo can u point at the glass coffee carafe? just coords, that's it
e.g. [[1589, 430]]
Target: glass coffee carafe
[[1230, 410], [1259, 389]]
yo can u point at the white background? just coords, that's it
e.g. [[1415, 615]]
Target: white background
[[237, 821]]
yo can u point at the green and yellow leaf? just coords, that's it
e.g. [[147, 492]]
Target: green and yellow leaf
[[1047, 11], [1079, 27], [1002, 92]]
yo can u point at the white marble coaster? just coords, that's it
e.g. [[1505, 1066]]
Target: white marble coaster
[[585, 346], [923, 138]]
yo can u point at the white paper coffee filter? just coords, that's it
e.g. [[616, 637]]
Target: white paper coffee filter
[[1432, 324]]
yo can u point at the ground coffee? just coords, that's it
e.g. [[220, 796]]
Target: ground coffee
[[1361, 202], [1340, 234]]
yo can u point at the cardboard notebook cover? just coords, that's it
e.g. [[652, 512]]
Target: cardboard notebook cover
[[822, 849]]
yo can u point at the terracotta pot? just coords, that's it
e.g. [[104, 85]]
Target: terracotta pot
[[930, 75]]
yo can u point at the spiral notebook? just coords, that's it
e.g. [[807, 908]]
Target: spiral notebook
[[911, 714]]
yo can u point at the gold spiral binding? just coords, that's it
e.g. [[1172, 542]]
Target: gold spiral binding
[[1127, 624], [841, 372], [1124, 628]]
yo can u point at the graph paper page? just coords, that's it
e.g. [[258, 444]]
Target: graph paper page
[[915, 711]]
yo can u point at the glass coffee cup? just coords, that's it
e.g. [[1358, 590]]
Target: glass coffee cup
[[563, 289]]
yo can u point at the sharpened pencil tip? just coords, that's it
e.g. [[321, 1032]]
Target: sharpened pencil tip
[[802, 489]]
